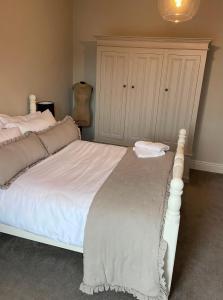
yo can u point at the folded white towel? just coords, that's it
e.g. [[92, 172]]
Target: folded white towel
[[154, 147], [145, 153], [143, 144]]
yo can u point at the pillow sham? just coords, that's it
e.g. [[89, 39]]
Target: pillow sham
[[47, 115], [17, 155], [8, 134], [60, 135], [36, 124], [4, 119]]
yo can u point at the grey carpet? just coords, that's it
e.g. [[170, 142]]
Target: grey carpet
[[33, 271]]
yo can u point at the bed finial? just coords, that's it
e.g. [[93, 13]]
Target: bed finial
[[183, 132], [32, 103], [182, 136]]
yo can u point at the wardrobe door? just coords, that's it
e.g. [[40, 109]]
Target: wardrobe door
[[143, 94], [179, 97], [112, 78]]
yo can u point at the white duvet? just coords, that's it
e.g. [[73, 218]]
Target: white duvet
[[53, 198]]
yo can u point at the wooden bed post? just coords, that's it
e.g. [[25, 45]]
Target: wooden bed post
[[32, 103], [172, 219]]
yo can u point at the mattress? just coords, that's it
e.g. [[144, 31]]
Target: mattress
[[53, 198]]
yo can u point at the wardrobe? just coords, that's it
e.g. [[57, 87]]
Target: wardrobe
[[148, 88]]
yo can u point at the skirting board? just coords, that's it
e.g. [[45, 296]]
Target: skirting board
[[206, 166]]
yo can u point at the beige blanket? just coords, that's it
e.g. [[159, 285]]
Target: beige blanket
[[123, 247]]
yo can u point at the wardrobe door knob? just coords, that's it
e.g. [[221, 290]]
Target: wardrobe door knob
[[124, 85], [166, 90], [133, 86]]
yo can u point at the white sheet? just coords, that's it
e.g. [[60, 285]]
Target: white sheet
[[53, 198]]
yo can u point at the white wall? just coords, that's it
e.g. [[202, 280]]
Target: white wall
[[141, 18]]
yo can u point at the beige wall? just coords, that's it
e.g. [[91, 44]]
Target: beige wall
[[141, 18], [35, 53]]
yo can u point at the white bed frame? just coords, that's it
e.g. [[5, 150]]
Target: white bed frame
[[172, 218]]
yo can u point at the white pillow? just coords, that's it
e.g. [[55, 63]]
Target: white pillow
[[32, 116], [8, 134], [1, 125], [36, 124], [47, 115], [4, 119]]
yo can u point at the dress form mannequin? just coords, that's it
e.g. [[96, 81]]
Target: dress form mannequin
[[82, 96]]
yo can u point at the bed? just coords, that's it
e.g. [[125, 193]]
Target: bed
[[90, 165]]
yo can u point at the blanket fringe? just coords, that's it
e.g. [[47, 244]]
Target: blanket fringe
[[106, 287], [163, 283], [161, 262]]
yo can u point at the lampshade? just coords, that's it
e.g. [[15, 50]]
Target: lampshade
[[178, 10]]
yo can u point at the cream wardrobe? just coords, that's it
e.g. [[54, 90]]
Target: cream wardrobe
[[148, 88]]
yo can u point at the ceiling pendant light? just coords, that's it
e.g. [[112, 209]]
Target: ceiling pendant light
[[178, 10]]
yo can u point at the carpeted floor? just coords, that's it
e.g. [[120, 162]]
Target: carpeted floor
[[32, 271]]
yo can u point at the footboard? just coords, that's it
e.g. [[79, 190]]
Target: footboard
[[172, 219]]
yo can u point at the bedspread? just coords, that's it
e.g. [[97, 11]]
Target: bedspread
[[123, 247]]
